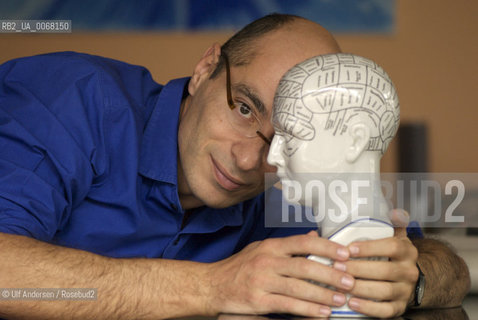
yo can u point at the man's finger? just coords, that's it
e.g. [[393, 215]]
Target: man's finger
[[302, 268], [394, 247], [283, 304], [377, 309], [399, 218], [306, 291], [374, 270], [305, 245], [379, 290]]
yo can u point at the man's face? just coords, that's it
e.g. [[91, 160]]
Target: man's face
[[221, 165], [218, 165]]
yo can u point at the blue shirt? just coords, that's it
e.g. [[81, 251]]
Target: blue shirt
[[88, 160]]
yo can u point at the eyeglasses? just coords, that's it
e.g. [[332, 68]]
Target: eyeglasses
[[243, 119]]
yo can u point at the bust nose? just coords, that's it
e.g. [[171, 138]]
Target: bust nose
[[275, 157]]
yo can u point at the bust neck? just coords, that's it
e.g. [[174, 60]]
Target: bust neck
[[352, 195]]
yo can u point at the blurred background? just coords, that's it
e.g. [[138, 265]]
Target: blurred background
[[428, 47]]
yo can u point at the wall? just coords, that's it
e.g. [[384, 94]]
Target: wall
[[431, 58]]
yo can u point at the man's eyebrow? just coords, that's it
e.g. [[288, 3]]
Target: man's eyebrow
[[248, 92]]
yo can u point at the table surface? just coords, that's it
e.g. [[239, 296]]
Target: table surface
[[471, 306], [469, 311]]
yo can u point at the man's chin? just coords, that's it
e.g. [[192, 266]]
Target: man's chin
[[227, 199], [221, 203]]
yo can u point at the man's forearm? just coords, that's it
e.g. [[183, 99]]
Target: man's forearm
[[127, 288], [447, 276]]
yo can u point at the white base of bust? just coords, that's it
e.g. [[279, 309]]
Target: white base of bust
[[359, 230]]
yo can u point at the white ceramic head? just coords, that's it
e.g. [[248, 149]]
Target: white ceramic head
[[328, 112]]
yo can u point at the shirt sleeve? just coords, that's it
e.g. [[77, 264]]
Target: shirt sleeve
[[50, 141], [414, 231]]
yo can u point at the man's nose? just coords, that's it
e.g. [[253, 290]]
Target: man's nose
[[251, 154]]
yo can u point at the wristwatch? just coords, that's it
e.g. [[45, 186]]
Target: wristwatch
[[419, 288]]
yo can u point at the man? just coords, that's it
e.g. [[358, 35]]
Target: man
[[95, 181]]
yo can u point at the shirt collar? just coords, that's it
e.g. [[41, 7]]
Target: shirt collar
[[159, 153], [208, 220], [159, 147]]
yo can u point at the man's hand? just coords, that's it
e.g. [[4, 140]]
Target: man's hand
[[383, 288], [270, 276]]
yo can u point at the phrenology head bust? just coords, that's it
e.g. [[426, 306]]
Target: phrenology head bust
[[341, 105]]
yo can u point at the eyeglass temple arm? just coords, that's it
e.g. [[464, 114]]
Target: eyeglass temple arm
[[229, 97], [263, 137], [228, 84]]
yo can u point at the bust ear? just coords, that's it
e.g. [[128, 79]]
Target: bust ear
[[360, 134]]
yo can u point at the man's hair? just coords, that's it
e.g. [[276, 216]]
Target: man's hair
[[240, 47]]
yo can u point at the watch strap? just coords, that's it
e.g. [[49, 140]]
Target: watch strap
[[419, 288]]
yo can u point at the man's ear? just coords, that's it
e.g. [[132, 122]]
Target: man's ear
[[204, 67], [360, 134]]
